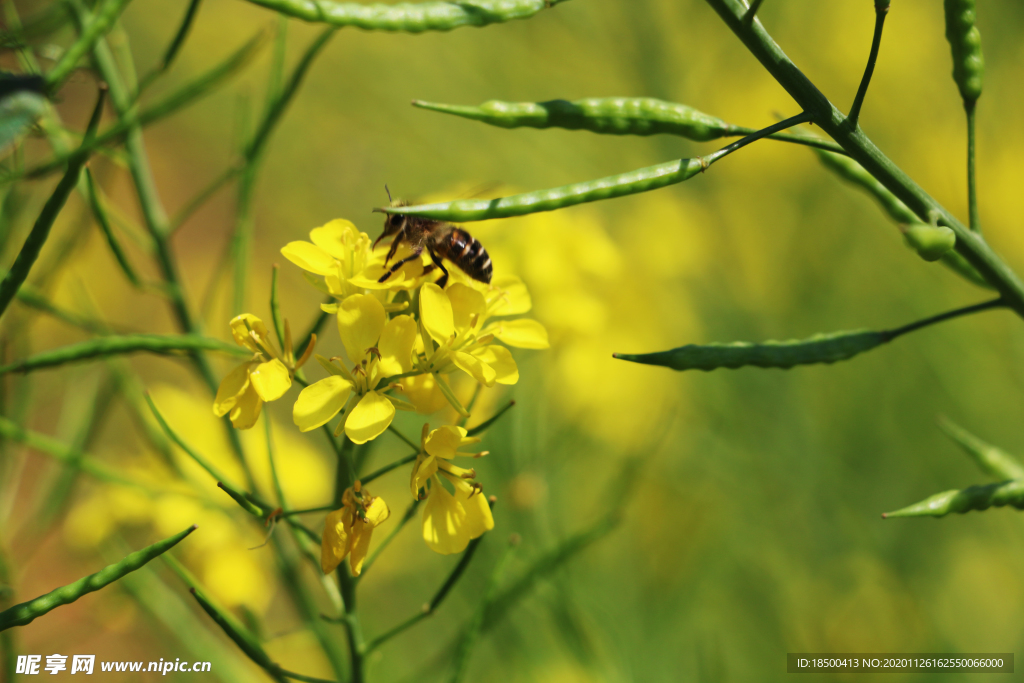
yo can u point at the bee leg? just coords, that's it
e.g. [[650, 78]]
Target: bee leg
[[443, 280], [394, 245], [399, 264]]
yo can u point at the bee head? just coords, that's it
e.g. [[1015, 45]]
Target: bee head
[[393, 223]]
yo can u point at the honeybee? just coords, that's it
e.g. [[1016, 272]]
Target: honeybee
[[441, 240]]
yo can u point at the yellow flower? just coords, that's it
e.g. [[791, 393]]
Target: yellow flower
[[450, 521], [456, 319], [347, 531], [379, 348], [342, 255], [266, 377], [338, 253]]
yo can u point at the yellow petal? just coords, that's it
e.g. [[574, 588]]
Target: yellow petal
[[377, 513], [500, 360], [334, 545], [474, 367], [369, 418], [523, 333], [241, 333], [478, 512], [361, 535], [247, 409], [336, 238], [467, 306], [436, 313], [360, 321], [395, 345], [443, 522], [231, 389], [510, 296], [423, 392], [319, 402], [422, 471], [310, 257], [444, 441], [270, 380]]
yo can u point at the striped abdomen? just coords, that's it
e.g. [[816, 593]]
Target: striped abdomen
[[462, 249]]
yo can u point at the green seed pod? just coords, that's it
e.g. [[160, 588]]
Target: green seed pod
[[119, 345], [993, 461], [929, 241], [821, 348], [972, 498], [849, 170], [609, 115], [965, 43], [22, 614], [409, 17], [634, 182]]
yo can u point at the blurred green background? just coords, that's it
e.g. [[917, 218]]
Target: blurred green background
[[754, 528]]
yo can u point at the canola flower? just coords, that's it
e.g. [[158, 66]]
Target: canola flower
[[412, 351], [403, 341], [266, 377], [347, 531], [450, 520]]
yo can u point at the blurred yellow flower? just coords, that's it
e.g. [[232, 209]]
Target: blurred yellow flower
[[347, 531], [264, 378], [380, 348], [450, 521]]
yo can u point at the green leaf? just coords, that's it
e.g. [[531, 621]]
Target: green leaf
[[822, 348], [972, 498], [119, 345], [992, 460], [22, 614]]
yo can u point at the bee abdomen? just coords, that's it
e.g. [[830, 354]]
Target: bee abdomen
[[467, 253]]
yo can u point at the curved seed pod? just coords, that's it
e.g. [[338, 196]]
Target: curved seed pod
[[821, 348], [113, 346], [634, 182], [608, 115], [849, 170], [409, 17], [965, 43], [993, 461], [22, 614], [965, 500], [929, 241]]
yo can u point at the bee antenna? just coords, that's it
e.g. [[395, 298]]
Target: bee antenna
[[389, 193]]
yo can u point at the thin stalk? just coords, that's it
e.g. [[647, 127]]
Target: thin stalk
[[752, 12], [315, 328], [204, 195], [172, 50], [802, 117], [403, 437], [26, 258], [472, 631], [972, 187], [881, 11], [435, 602], [941, 317], [387, 468], [861, 149], [409, 512]]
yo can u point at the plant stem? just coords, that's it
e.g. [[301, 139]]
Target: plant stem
[[881, 11], [862, 150], [941, 317], [802, 117], [387, 468], [972, 189], [752, 12]]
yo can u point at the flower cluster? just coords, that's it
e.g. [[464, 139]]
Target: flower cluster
[[404, 340]]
